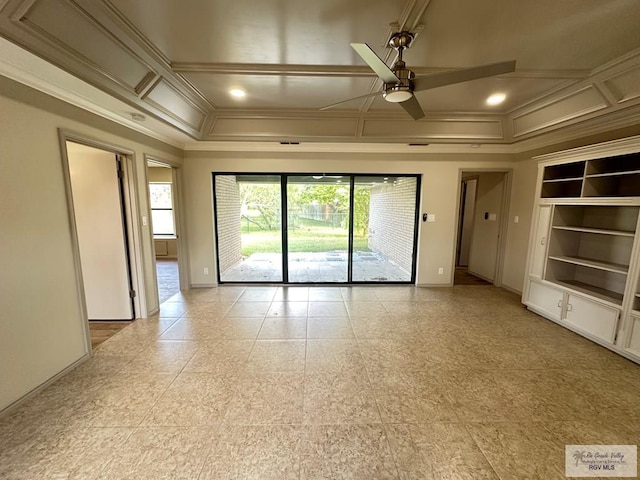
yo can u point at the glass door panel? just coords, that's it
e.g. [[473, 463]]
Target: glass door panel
[[318, 228], [249, 227], [384, 228]]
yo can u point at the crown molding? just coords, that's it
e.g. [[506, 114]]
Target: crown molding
[[337, 147], [28, 69]]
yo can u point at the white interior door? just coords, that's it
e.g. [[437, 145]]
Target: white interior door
[[99, 219]]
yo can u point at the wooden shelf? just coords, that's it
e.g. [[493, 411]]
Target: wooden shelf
[[586, 262], [613, 174], [557, 180], [585, 288], [620, 233]]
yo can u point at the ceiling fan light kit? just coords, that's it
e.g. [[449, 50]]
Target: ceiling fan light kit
[[397, 93], [400, 82]]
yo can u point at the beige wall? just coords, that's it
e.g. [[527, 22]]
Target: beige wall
[[523, 185], [42, 327], [170, 245], [439, 196]]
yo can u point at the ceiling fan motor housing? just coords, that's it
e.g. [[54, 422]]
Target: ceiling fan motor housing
[[403, 90]]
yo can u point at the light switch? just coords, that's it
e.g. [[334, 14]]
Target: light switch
[[516, 219], [493, 217], [431, 217], [144, 220]]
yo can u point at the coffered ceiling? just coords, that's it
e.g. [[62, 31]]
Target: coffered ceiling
[[578, 64]]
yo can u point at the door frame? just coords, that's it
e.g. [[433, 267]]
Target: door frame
[[504, 223], [284, 227], [176, 194], [461, 217], [131, 219]]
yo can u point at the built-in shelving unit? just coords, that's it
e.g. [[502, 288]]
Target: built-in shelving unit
[[563, 180], [590, 248], [584, 256], [617, 176]]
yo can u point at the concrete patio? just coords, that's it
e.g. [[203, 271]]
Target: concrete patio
[[323, 267]]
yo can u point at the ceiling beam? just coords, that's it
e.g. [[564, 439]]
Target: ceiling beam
[[305, 70]]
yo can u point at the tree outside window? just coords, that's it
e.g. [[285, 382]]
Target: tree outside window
[[161, 209]]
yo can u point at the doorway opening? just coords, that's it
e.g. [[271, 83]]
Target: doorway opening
[[97, 194], [100, 205], [315, 228], [162, 187], [481, 224]]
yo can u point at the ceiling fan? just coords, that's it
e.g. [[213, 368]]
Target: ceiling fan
[[400, 83]]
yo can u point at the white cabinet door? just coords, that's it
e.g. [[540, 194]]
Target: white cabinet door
[[540, 241], [592, 317], [545, 300]]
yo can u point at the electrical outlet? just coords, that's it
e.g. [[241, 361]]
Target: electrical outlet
[[516, 219], [206, 270], [441, 271]]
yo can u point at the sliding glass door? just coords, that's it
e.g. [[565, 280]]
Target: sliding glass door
[[318, 228], [384, 230], [249, 228], [306, 228]]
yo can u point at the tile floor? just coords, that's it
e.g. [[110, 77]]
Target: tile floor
[[168, 281], [328, 383]]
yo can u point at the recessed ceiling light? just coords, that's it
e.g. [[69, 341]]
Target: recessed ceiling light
[[237, 93], [496, 99]]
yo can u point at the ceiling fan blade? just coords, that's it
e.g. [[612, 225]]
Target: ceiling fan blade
[[327, 107], [413, 108], [463, 75], [376, 64]]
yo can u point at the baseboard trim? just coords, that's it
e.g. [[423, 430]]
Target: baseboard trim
[[13, 406], [203, 285], [512, 290]]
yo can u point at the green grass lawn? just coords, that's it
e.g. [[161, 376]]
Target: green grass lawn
[[309, 239]]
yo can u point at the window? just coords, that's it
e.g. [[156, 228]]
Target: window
[[161, 209]]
